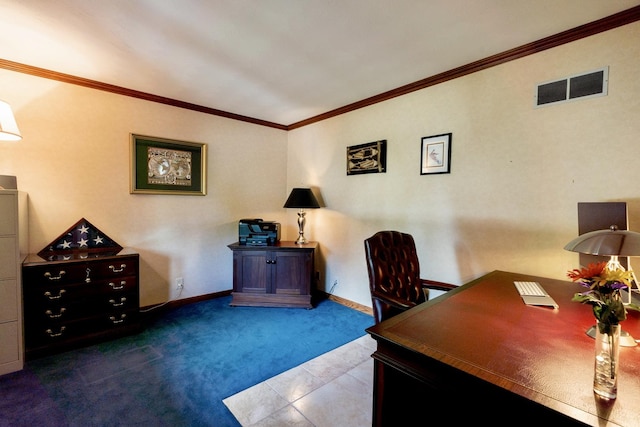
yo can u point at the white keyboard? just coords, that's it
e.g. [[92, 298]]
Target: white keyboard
[[534, 294], [530, 288]]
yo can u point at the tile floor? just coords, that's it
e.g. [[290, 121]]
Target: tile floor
[[334, 389]]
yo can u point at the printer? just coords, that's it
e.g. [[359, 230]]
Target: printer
[[256, 232]]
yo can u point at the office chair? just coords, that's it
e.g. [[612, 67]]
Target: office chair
[[394, 274]]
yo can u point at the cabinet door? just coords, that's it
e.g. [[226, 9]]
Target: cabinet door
[[251, 274], [291, 273]]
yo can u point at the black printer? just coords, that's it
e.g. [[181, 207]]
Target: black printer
[[256, 232]]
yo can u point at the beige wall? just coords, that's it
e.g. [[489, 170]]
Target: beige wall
[[517, 173], [509, 202], [74, 162]]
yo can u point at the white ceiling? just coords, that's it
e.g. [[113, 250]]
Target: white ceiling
[[282, 61]]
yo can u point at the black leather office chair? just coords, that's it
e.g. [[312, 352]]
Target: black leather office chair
[[394, 274]]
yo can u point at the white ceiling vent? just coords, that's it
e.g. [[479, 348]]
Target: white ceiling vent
[[579, 86]]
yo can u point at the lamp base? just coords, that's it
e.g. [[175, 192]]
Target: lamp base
[[626, 340], [301, 240]]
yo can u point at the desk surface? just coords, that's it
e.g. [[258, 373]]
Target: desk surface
[[484, 329]]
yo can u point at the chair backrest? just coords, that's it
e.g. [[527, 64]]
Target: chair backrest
[[394, 272]]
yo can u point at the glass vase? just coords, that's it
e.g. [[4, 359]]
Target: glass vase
[[605, 379]]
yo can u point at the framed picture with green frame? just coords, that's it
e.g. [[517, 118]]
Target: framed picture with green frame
[[167, 166]]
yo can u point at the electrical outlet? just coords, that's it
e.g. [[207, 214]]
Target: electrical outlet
[[179, 283]]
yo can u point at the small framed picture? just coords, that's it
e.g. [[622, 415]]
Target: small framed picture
[[367, 158], [436, 154], [166, 166]]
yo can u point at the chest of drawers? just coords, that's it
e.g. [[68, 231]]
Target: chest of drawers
[[70, 303]]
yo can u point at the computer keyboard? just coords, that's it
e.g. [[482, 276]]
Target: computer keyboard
[[532, 293], [530, 289]]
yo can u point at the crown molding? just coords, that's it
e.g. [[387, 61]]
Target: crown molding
[[93, 84], [614, 21], [608, 23]]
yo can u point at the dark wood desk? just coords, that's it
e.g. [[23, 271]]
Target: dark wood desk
[[479, 353]]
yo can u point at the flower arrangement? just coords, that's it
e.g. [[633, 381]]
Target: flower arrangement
[[604, 292]]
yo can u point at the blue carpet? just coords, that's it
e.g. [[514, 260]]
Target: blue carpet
[[178, 370]]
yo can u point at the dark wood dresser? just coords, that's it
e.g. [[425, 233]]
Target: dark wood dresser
[[73, 302], [281, 275]]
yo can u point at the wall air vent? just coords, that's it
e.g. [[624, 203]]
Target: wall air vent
[[580, 86]]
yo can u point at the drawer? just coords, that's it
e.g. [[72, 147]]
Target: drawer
[[58, 332], [56, 274], [120, 302], [66, 309], [48, 293], [116, 286], [115, 268], [83, 271]]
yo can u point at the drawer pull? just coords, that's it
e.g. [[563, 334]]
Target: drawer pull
[[55, 316], [58, 277], [116, 321], [120, 270], [117, 288], [118, 304], [57, 334], [60, 292]]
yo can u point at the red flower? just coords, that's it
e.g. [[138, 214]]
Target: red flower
[[589, 272]]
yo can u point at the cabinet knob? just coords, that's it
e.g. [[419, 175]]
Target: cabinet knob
[[58, 277], [56, 334], [119, 270], [118, 304], [118, 287], [55, 316], [60, 292], [116, 320]]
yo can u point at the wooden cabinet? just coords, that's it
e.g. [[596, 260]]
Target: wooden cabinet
[[13, 247], [281, 275], [75, 302]]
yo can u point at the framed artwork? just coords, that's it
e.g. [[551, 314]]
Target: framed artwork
[[367, 158], [435, 154], [166, 166]]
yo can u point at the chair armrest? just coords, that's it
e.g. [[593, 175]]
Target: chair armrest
[[440, 286], [392, 301]]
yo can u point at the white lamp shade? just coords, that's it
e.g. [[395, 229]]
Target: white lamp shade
[[8, 127]]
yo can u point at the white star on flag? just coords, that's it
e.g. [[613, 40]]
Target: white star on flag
[[82, 242], [98, 240], [84, 229]]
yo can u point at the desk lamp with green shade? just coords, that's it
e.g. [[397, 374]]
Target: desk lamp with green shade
[[613, 243]]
